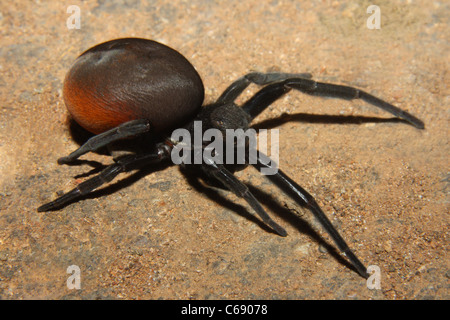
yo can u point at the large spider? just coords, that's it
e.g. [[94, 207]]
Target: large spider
[[124, 89]]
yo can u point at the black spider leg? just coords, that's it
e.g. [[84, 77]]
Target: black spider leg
[[123, 131], [302, 197], [241, 190], [237, 87], [274, 90], [123, 164]]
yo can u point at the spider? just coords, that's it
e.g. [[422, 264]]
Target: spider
[[128, 88]]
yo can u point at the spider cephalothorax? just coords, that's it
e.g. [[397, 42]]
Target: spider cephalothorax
[[126, 88]]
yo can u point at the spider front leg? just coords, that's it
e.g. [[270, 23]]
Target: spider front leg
[[241, 190], [125, 164], [267, 95], [126, 130], [302, 197]]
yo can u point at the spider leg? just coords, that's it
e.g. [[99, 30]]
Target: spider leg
[[125, 130], [302, 197], [127, 163], [267, 95], [242, 191], [237, 87]]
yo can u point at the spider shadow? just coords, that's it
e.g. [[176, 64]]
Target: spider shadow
[[81, 135], [303, 226], [114, 187], [213, 191], [324, 119]]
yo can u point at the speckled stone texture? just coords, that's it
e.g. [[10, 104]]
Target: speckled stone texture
[[160, 233]]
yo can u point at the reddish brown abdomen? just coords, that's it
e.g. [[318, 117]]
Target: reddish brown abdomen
[[126, 79]]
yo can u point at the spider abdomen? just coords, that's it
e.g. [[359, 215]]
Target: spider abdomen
[[128, 79]]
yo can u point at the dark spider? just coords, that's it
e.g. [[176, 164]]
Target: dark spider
[[127, 88]]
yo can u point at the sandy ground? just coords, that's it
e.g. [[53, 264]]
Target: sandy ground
[[161, 234]]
